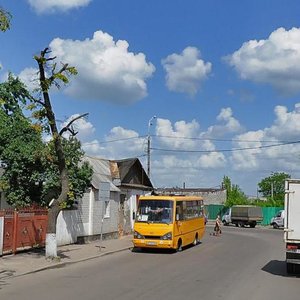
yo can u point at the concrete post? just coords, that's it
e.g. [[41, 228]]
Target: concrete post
[[1, 234]]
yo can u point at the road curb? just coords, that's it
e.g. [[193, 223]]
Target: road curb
[[64, 264]]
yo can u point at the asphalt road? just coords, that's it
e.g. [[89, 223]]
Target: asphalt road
[[243, 263]]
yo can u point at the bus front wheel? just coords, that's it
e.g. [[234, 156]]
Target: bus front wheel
[[179, 246], [196, 240]]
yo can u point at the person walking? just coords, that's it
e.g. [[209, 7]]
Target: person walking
[[218, 225]]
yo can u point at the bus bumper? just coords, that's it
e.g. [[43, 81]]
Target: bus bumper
[[142, 243]]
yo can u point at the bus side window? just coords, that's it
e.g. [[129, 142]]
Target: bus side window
[[179, 212], [201, 207]]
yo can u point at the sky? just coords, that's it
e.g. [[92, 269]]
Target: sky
[[214, 84]]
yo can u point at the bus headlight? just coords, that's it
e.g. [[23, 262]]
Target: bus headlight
[[138, 235], [167, 236]]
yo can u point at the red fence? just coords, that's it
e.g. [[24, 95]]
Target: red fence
[[24, 229]]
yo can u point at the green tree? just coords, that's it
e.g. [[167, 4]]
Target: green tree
[[5, 18], [45, 114], [79, 172], [20, 146], [33, 169], [272, 186], [21, 156], [234, 195], [31, 173]]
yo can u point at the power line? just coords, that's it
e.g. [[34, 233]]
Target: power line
[[224, 150], [218, 140], [187, 138], [116, 140]]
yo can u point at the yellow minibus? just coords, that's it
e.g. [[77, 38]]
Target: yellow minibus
[[169, 222]]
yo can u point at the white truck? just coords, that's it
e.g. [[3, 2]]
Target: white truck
[[292, 224], [278, 220]]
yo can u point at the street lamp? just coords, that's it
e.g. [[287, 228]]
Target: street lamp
[[148, 145]]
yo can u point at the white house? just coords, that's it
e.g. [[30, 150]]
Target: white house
[[127, 181], [110, 216]]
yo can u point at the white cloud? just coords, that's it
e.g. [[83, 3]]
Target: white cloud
[[186, 71], [4, 76], [212, 160], [49, 6], [83, 128], [92, 148], [170, 162], [173, 170], [185, 166], [106, 69], [128, 143], [172, 136], [229, 124], [275, 61], [285, 128], [118, 143], [121, 133], [188, 136], [29, 76], [247, 159], [124, 143], [206, 169], [286, 125]]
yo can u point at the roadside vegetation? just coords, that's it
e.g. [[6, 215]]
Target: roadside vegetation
[[271, 189], [42, 164]]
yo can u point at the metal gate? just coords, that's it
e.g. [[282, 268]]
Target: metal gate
[[24, 229]]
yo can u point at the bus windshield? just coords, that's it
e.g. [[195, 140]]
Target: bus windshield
[[155, 211]]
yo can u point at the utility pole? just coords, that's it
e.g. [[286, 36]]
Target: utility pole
[[148, 145], [272, 190]]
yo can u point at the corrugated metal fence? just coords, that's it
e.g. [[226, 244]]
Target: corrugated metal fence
[[269, 213], [213, 210]]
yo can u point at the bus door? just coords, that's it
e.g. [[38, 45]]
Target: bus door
[[178, 230]]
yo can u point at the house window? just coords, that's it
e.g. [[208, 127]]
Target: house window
[[107, 209]]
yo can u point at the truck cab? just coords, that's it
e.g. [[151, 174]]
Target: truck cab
[[226, 219], [278, 220]]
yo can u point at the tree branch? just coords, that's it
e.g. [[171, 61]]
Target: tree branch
[[63, 69], [67, 127], [44, 52], [39, 102], [51, 58]]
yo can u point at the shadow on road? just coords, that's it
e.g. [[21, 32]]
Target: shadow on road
[[278, 268], [40, 252], [4, 275], [152, 251], [161, 250]]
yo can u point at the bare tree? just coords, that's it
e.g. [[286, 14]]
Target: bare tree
[[55, 78]]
